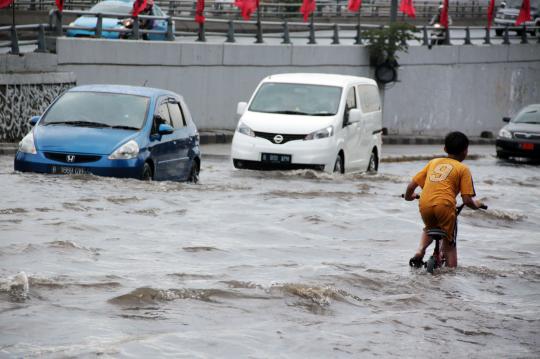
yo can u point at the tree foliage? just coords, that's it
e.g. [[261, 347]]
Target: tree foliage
[[385, 42]]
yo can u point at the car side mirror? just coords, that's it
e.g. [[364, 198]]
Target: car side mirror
[[354, 115], [241, 108], [34, 120], [506, 119], [165, 129]]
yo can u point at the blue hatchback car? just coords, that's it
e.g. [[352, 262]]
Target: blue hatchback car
[[113, 130], [84, 26]]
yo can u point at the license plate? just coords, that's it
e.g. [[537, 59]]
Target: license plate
[[62, 170], [527, 146], [275, 158]]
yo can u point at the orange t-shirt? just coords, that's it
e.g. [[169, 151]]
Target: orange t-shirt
[[442, 180]]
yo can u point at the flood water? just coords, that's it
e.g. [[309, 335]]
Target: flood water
[[263, 265]]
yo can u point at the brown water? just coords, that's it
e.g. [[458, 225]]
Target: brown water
[[253, 264]]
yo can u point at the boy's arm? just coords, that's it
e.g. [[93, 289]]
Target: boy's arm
[[470, 202], [410, 191]]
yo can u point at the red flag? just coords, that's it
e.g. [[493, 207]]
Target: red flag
[[138, 6], [407, 8], [491, 12], [247, 7], [5, 3], [524, 12], [354, 5], [199, 12], [308, 6], [444, 14]]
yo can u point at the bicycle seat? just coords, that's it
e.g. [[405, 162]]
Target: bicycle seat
[[436, 233]]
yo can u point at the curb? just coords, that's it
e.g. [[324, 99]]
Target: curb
[[430, 140], [211, 137]]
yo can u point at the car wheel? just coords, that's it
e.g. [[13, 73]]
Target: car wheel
[[502, 155], [338, 166], [147, 174], [194, 173], [373, 165], [499, 32]]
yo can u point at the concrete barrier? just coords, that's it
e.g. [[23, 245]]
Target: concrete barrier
[[469, 88]]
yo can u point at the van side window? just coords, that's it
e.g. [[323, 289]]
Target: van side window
[[176, 115], [369, 98], [351, 99]]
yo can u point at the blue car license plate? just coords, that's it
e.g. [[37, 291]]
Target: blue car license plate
[[275, 158], [63, 170]]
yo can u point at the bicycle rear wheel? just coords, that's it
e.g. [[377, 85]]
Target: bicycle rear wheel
[[430, 264]]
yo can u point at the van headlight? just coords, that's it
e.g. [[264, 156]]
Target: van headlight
[[322, 133], [27, 144], [245, 129], [127, 151], [504, 133]]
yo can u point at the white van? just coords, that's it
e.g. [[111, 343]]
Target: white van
[[325, 122]]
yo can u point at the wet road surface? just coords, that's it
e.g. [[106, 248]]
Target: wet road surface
[[257, 264]]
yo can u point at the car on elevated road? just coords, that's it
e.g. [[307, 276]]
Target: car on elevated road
[[85, 25]]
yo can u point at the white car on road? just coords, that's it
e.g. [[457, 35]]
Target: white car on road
[[325, 122]]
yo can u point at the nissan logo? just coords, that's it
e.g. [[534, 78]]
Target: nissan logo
[[70, 158], [278, 138]]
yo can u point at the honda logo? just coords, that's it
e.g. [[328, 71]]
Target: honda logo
[[70, 158], [278, 139]]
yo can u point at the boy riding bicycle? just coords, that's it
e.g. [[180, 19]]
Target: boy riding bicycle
[[441, 180]]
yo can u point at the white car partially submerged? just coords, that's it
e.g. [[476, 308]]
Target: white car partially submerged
[[325, 122]]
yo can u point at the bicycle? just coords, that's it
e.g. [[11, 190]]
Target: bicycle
[[437, 259]]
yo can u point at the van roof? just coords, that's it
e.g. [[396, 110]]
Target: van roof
[[319, 79]]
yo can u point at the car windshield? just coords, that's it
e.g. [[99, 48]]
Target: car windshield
[[528, 115], [112, 7], [98, 109], [297, 99]]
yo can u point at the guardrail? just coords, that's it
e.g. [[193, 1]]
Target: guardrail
[[258, 29], [460, 9]]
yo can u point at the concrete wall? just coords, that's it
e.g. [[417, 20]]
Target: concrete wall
[[459, 87]]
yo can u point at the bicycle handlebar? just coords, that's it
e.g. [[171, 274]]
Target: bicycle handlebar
[[417, 196]]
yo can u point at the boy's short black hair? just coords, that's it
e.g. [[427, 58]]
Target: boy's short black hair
[[456, 142]]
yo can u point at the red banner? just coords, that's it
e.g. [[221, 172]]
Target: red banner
[[199, 12], [354, 5], [444, 14], [407, 8], [308, 6], [138, 6], [491, 12], [247, 7], [5, 3], [524, 12]]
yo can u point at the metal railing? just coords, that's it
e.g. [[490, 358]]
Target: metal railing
[[459, 9], [259, 30]]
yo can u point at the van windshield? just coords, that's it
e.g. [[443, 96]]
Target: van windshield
[[98, 109], [297, 99]]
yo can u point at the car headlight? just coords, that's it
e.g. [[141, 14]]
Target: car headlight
[[322, 133], [504, 133], [127, 151], [246, 130], [27, 144]]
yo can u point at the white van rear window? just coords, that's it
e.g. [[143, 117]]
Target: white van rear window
[[369, 98]]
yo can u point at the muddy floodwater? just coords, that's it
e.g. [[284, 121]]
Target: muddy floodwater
[[263, 265]]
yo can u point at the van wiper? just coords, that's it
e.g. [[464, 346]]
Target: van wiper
[[122, 127], [322, 114], [79, 123], [291, 112]]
